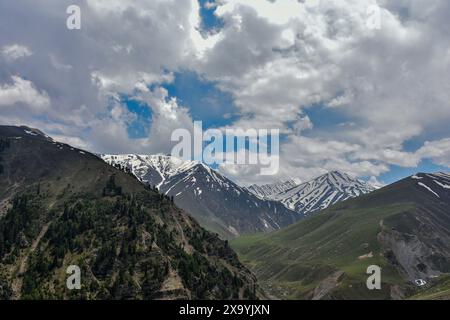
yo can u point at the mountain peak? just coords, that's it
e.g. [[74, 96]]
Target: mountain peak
[[19, 132], [313, 195], [217, 202], [339, 176], [337, 172], [323, 191]]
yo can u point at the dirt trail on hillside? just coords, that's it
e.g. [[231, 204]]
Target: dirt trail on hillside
[[17, 283]]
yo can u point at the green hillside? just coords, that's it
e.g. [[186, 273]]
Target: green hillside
[[403, 228], [60, 206]]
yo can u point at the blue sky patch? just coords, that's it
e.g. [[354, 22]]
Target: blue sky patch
[[205, 101], [139, 128], [326, 118], [397, 173], [209, 20]]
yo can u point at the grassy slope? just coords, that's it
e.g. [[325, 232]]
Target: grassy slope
[[292, 262]]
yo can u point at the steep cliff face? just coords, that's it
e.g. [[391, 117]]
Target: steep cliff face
[[60, 206]]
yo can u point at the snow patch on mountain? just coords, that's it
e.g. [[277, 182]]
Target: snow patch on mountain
[[428, 188], [438, 183], [445, 186]]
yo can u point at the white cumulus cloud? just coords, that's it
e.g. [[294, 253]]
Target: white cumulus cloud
[[15, 51], [22, 91]]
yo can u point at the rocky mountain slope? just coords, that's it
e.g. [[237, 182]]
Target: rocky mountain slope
[[404, 228], [270, 191], [216, 202], [319, 193], [60, 206]]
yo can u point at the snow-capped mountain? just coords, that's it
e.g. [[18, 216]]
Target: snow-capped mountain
[[270, 191], [215, 201], [151, 169], [322, 192]]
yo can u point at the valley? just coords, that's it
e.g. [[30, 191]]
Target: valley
[[117, 217]]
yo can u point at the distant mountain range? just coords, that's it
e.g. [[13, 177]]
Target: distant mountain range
[[218, 203], [403, 228], [222, 206], [317, 194]]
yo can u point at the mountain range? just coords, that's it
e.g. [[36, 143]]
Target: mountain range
[[403, 228], [219, 204], [319, 193], [118, 218], [222, 206]]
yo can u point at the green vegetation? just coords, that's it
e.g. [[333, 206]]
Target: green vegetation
[[347, 238], [130, 242], [4, 143], [298, 259], [124, 253]]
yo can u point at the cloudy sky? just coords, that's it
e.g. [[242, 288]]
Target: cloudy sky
[[347, 94]]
